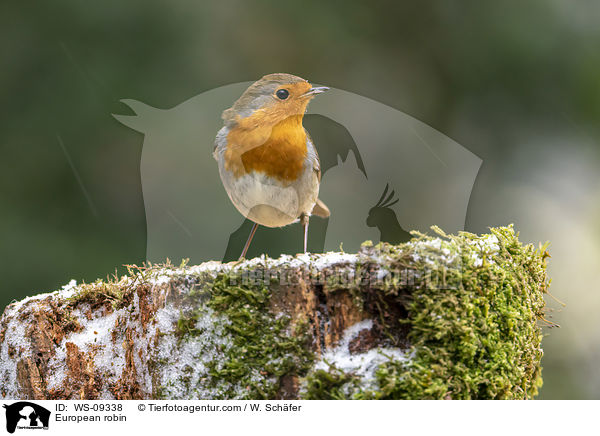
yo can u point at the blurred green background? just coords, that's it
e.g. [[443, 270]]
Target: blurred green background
[[517, 83]]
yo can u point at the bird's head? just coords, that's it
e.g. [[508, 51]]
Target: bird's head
[[273, 98], [382, 210]]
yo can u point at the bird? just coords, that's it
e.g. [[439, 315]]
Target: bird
[[267, 161]]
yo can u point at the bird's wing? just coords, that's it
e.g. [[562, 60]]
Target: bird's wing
[[220, 141], [319, 209], [316, 163]]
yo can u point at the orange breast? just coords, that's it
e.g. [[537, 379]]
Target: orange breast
[[280, 156]]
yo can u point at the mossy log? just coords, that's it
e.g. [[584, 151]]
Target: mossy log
[[444, 317]]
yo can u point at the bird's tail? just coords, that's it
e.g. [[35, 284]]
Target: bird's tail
[[320, 209]]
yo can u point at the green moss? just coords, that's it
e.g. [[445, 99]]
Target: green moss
[[473, 311], [118, 291], [331, 384], [263, 347], [98, 293]]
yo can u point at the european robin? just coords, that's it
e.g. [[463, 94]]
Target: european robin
[[268, 163]]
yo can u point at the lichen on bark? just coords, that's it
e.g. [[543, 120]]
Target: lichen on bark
[[444, 316]]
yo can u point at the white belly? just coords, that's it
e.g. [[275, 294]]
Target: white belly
[[267, 201]]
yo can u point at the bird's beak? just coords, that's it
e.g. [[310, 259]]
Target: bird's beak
[[314, 91]]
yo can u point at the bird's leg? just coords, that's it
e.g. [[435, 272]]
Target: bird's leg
[[252, 232], [304, 222]]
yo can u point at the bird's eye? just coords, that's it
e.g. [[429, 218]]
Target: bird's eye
[[282, 94]]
